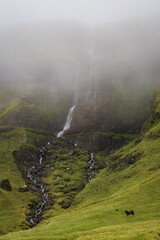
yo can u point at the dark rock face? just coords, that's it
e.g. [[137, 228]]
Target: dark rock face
[[5, 184], [95, 142], [106, 113]]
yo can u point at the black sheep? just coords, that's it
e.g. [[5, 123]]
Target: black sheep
[[129, 213]]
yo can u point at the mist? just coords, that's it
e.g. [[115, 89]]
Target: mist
[[49, 52], [117, 42]]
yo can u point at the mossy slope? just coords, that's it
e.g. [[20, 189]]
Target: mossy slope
[[66, 173]]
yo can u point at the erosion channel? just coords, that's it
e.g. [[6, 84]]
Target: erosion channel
[[37, 186]]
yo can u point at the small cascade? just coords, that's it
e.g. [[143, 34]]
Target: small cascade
[[92, 169], [35, 182]]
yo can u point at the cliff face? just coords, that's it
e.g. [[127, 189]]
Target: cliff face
[[100, 141], [110, 107]]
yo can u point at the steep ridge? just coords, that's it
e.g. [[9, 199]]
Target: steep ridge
[[129, 181]]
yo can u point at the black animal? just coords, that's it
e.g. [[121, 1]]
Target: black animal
[[129, 213]]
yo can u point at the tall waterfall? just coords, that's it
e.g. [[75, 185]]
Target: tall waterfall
[[71, 110]]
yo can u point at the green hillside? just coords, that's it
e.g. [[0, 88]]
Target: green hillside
[[130, 181], [13, 203]]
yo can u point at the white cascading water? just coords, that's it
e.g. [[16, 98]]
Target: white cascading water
[[92, 169], [71, 110], [44, 195], [68, 122]]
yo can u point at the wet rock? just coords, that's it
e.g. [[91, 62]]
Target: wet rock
[[5, 185]]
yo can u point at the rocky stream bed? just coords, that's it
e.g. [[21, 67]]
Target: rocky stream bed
[[37, 186]]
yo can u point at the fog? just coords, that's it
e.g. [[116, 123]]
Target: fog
[[91, 12], [41, 42]]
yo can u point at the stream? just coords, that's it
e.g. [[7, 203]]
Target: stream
[[92, 169], [34, 176]]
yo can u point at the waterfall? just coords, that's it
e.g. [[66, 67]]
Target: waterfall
[[71, 110], [68, 122]]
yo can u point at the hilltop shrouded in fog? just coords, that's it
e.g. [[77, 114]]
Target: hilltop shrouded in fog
[[49, 52], [115, 44], [118, 67], [43, 41]]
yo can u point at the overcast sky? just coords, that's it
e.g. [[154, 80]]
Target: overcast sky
[[91, 12]]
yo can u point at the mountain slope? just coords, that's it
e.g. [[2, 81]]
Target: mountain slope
[[131, 181]]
